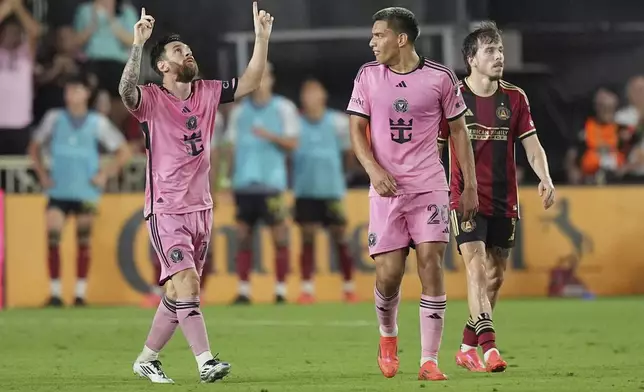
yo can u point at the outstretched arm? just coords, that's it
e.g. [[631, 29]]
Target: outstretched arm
[[252, 77], [128, 89], [537, 157]]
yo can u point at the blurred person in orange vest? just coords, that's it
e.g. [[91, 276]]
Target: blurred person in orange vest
[[600, 141]]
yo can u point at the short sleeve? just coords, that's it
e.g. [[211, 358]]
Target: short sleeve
[[291, 118], [108, 135], [341, 122], [225, 89], [82, 17], [43, 133], [525, 125], [443, 131], [233, 125], [143, 109], [451, 97], [359, 105]]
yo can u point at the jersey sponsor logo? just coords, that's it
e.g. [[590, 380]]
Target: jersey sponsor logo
[[399, 128], [478, 131], [401, 105], [503, 113], [193, 143]]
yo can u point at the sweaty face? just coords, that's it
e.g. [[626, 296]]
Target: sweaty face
[[313, 96], [489, 59], [178, 60], [76, 94], [384, 42]]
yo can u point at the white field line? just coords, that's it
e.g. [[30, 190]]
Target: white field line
[[17, 322]]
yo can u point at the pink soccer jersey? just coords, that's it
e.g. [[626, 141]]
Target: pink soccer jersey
[[404, 112], [177, 138]]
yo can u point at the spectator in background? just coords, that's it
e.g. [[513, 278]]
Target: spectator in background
[[105, 32], [66, 60], [630, 116], [19, 34], [599, 154]]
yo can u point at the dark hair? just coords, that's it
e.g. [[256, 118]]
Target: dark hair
[[485, 33], [401, 20], [158, 50], [77, 78]]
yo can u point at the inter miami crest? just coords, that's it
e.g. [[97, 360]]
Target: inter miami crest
[[401, 105], [191, 123], [371, 241], [176, 255]]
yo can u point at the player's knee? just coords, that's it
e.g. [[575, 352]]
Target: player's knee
[[431, 262], [53, 237], [83, 234], [280, 235], [244, 240], [186, 283], [308, 235], [338, 234], [389, 276]]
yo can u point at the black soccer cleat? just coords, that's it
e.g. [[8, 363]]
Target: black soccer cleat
[[241, 300], [280, 299], [54, 302], [80, 302], [214, 370]]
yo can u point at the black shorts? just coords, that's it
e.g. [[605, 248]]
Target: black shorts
[[327, 212], [493, 231], [72, 207], [255, 208]]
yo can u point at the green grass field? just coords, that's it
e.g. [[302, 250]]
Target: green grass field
[[551, 345]]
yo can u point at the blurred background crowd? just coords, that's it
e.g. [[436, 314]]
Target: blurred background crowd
[[582, 74]]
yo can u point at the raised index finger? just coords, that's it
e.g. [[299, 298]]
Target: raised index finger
[[142, 12], [255, 12]]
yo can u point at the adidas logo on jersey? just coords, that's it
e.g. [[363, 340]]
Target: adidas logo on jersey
[[402, 84], [469, 113]]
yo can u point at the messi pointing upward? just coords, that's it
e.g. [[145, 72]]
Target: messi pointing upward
[[178, 120], [402, 97]]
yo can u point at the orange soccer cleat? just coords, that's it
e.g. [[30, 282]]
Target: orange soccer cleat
[[430, 372], [494, 363], [470, 360], [388, 356], [306, 299], [350, 297]]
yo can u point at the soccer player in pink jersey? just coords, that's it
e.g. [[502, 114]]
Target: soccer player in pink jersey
[[178, 119], [400, 99]]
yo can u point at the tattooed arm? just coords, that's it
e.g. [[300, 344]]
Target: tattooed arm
[[128, 89]]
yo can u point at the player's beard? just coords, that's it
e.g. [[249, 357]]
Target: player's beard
[[187, 72]]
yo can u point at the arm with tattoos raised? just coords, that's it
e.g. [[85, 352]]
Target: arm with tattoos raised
[[128, 87]]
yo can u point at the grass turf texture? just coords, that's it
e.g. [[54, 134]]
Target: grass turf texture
[[551, 345]]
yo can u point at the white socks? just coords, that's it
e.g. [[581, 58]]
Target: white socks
[[203, 358]]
